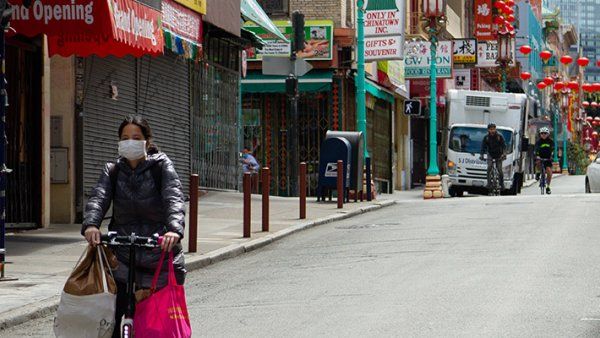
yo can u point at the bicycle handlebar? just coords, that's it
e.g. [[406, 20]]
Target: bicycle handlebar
[[112, 239]]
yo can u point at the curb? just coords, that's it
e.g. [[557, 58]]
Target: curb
[[49, 305]]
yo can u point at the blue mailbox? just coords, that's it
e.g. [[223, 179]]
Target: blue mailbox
[[332, 150]]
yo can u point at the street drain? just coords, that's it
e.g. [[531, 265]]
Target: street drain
[[364, 226]]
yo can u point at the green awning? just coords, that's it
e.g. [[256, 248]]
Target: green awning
[[314, 81], [254, 39], [252, 11], [378, 91]]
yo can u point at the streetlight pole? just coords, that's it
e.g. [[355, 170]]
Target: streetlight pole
[[361, 106], [434, 12]]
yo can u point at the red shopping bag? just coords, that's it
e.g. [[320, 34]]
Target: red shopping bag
[[164, 314]]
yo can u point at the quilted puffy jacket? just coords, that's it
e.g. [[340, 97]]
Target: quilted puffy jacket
[[141, 208]]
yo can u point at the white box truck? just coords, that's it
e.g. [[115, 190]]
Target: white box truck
[[469, 113]]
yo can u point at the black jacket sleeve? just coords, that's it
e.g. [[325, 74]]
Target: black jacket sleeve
[[484, 145], [99, 200], [173, 200]]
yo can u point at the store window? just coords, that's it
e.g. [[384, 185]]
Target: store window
[[274, 7]]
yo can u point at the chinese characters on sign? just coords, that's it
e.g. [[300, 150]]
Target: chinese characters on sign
[[417, 65], [483, 20], [465, 51]]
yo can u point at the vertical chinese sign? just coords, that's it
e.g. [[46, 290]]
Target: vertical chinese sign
[[483, 20]]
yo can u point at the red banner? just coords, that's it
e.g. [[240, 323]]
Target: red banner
[[86, 27], [483, 20], [182, 21], [59, 16]]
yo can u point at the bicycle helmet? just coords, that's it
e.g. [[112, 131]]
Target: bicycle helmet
[[491, 125], [544, 130]]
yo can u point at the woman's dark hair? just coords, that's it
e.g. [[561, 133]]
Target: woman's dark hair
[[144, 126]]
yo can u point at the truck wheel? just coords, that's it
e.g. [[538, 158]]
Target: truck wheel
[[452, 192]]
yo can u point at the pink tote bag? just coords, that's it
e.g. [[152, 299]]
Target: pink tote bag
[[164, 314]]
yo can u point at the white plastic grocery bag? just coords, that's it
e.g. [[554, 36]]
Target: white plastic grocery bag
[[88, 316]]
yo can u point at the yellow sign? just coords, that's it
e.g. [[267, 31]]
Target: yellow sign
[[195, 5]]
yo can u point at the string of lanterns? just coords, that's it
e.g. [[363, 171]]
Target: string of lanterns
[[505, 16]]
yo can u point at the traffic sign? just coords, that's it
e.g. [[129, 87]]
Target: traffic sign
[[412, 107], [283, 66]]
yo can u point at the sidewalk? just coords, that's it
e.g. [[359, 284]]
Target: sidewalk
[[42, 259]]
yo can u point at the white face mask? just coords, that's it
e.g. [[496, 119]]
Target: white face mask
[[132, 149]]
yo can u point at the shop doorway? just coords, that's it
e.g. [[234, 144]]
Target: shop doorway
[[23, 130], [418, 132]]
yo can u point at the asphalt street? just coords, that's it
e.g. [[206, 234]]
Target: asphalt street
[[524, 266]]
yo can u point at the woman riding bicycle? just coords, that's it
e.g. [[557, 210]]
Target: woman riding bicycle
[[147, 199]]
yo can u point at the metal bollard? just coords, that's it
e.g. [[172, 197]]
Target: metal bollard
[[193, 240], [340, 184], [247, 207], [302, 190], [369, 194], [266, 188]]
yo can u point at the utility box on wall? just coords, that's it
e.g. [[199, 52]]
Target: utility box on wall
[[59, 165]]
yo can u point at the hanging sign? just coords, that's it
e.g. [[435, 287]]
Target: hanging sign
[[462, 79], [384, 30], [487, 54], [483, 20], [318, 37], [464, 51], [417, 64], [384, 48]]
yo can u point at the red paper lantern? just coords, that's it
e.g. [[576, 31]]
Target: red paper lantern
[[586, 87], [559, 86], [596, 87], [565, 60], [498, 20], [585, 103], [595, 105], [510, 3], [583, 61], [509, 27], [525, 49], [573, 85], [499, 4], [511, 18], [548, 80], [545, 55], [541, 85], [589, 118], [509, 11], [525, 76]]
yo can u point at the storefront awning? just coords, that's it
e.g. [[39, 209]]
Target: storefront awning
[[314, 81], [182, 29], [88, 27], [252, 11], [378, 92]]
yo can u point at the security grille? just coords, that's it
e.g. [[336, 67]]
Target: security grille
[[478, 101]]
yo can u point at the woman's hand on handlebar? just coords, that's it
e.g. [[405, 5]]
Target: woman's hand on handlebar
[[169, 240], [92, 235]]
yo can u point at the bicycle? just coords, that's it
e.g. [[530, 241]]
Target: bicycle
[[542, 174], [132, 241], [494, 187]]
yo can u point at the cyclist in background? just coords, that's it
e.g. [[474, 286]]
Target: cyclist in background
[[494, 146], [544, 150]]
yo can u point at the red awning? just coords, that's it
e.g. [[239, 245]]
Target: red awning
[[88, 27]]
